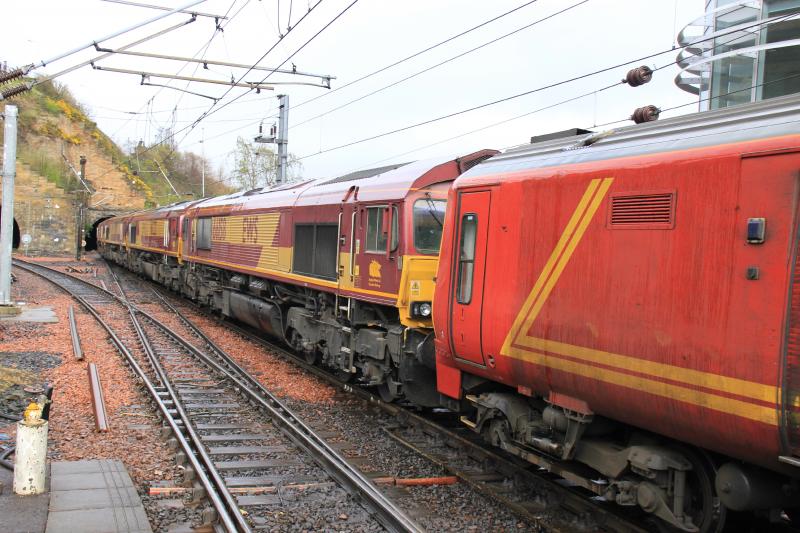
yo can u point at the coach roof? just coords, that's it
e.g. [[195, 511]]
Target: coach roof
[[385, 183], [768, 118]]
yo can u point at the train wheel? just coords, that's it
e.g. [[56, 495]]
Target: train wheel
[[389, 390], [343, 375], [310, 357], [701, 502]]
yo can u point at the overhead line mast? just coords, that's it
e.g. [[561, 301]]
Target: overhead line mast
[[281, 138]]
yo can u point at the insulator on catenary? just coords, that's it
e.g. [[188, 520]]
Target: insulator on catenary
[[638, 76], [13, 91], [8, 76], [647, 113]]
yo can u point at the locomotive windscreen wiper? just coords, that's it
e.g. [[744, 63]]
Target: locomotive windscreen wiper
[[432, 209]]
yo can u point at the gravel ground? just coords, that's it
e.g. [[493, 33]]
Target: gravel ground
[[359, 425], [134, 431]]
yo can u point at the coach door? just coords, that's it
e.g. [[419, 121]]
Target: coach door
[[469, 267]]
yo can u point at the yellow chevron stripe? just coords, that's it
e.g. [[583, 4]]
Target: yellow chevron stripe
[[551, 262], [759, 413], [567, 255], [709, 380], [519, 345]]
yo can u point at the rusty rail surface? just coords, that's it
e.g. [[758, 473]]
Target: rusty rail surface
[[98, 402], [76, 339]]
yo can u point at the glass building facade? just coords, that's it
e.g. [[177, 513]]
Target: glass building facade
[[741, 51]]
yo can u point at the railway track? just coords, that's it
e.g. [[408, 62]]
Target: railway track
[[535, 496], [246, 450]]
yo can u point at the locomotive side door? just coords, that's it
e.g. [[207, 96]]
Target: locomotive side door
[[469, 267], [348, 226]]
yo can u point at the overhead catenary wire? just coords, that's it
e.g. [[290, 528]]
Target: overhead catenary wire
[[270, 49], [325, 27], [441, 63], [416, 54], [565, 81], [203, 49], [593, 92], [211, 110], [521, 94], [707, 99], [186, 64]]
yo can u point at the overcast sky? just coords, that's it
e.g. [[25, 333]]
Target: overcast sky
[[370, 35]]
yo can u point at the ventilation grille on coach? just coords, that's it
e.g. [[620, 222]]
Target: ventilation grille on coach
[[642, 211]]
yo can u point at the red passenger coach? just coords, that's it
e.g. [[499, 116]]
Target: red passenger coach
[[602, 298]]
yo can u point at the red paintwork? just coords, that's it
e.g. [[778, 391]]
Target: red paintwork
[[673, 296], [321, 202], [465, 319]]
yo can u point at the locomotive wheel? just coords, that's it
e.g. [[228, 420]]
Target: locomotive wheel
[[497, 431], [701, 502], [343, 376], [385, 394]]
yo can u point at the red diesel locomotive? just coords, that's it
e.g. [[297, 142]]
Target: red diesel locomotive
[[621, 308], [342, 270]]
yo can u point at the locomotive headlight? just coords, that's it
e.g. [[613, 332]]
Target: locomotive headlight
[[421, 309]]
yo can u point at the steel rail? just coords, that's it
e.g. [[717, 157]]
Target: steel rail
[[571, 498], [233, 507], [188, 449], [350, 478], [76, 338], [98, 400]]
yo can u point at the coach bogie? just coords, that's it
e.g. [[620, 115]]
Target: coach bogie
[[630, 469]]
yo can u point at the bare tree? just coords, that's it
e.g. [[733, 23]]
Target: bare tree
[[256, 165]]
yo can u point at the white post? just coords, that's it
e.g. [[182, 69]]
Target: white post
[[203, 163], [283, 138], [30, 457], [7, 214]]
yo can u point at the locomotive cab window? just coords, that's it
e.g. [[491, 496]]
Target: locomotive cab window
[[428, 224], [203, 236], [376, 232], [132, 233], [466, 258]]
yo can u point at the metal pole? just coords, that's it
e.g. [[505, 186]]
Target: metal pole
[[283, 138], [148, 75], [103, 56], [7, 214], [203, 163], [197, 13], [79, 215], [45, 62], [205, 62]]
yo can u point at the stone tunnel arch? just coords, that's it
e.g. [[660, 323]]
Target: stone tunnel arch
[[91, 237], [15, 236]]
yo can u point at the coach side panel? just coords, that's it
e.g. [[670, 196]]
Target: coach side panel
[[636, 290]]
